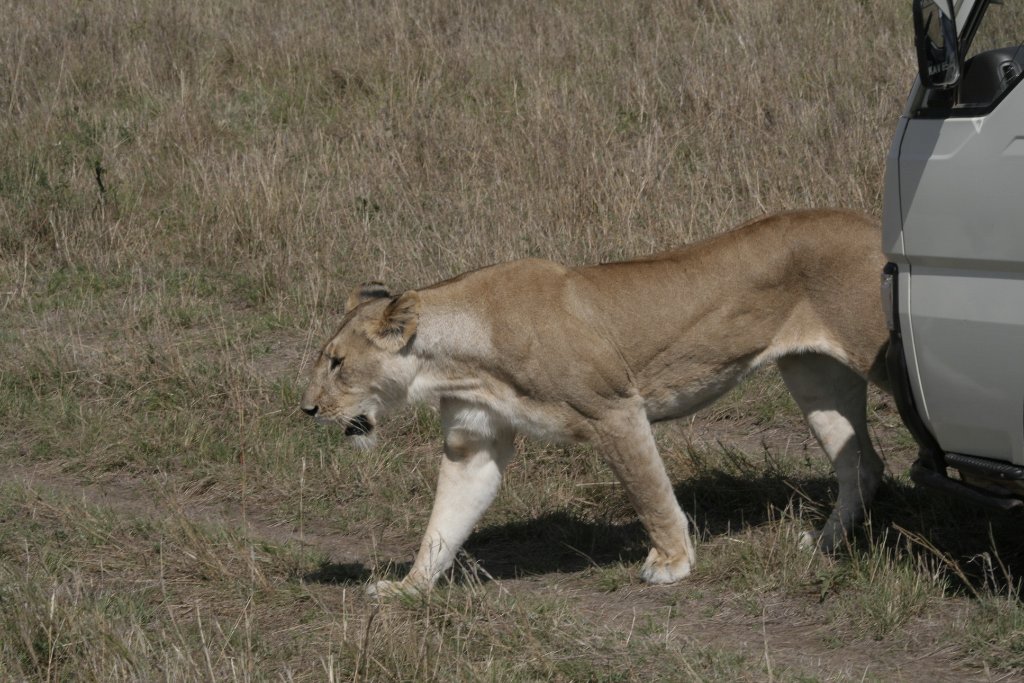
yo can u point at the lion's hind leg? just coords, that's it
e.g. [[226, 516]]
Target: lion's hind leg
[[833, 399], [628, 446]]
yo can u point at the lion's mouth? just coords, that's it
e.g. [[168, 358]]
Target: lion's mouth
[[359, 426]]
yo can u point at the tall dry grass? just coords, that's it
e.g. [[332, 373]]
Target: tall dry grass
[[309, 145]]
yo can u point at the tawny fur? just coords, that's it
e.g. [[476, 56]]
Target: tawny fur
[[596, 354]]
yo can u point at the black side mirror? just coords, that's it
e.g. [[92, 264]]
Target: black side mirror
[[938, 54]]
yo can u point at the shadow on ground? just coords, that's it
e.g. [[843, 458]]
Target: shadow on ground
[[339, 573], [975, 548]]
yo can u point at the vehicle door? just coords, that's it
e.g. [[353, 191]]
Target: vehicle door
[[961, 200]]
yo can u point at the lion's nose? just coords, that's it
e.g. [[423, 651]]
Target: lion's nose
[[311, 410]]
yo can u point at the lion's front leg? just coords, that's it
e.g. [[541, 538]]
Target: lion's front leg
[[477, 448], [628, 446]]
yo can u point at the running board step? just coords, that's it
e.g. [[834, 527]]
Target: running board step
[[922, 476], [986, 467]]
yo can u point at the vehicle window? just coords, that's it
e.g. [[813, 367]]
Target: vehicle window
[[1002, 26], [995, 58]]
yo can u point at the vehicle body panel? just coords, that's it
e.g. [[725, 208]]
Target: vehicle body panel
[[953, 221]]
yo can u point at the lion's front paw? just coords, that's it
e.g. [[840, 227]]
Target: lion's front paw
[[390, 589], [661, 570]]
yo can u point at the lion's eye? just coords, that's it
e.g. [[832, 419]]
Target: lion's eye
[[336, 362]]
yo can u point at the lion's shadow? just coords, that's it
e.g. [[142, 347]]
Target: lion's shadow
[[721, 502]]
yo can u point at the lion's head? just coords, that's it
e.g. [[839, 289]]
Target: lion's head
[[366, 367]]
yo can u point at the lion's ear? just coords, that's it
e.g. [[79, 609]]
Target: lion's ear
[[365, 292], [396, 326]]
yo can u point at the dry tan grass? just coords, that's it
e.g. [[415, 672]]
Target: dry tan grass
[[190, 189], [312, 146]]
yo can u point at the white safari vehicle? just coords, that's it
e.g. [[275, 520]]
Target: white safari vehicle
[[953, 231]]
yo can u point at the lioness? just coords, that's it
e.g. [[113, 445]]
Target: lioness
[[599, 353]]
